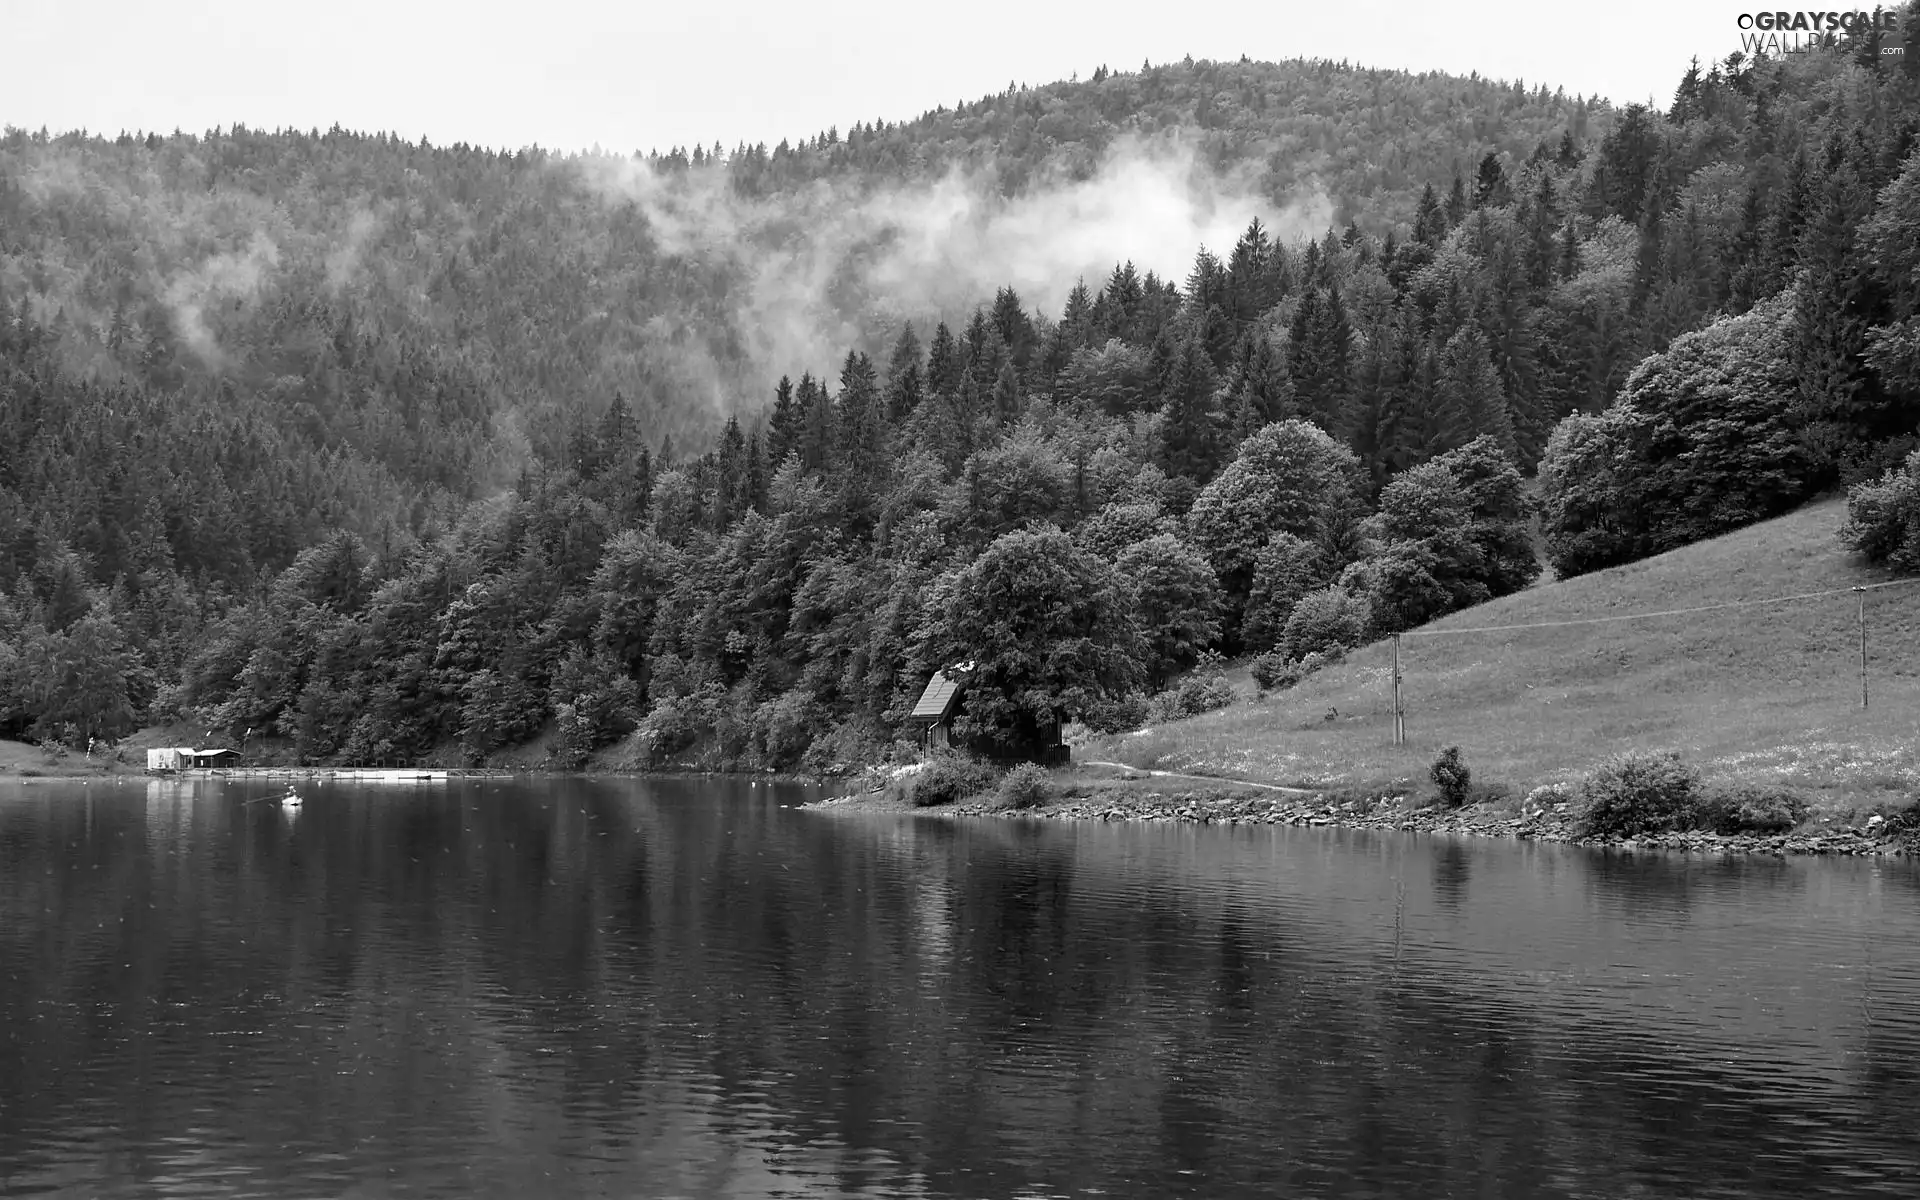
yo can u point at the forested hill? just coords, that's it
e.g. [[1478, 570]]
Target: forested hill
[[419, 318], [445, 385]]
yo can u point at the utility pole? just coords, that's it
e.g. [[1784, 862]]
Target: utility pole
[[1863, 645], [1399, 714]]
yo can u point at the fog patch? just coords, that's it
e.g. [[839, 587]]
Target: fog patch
[[836, 264], [229, 278]]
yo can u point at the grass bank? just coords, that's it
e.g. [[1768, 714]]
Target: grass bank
[[19, 760]]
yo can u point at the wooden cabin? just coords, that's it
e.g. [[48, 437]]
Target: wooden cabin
[[941, 702], [933, 714]]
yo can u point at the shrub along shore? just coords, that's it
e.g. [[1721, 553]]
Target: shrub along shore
[[1646, 802]]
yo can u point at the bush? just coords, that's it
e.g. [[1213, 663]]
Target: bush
[[1637, 793], [1117, 716], [1452, 777], [1327, 620], [1267, 670], [786, 725], [1195, 695], [1026, 786], [949, 778], [1748, 809], [1548, 796], [1273, 673], [676, 723], [1902, 821], [1883, 518], [856, 740]]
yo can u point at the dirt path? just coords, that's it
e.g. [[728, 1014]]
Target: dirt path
[[1265, 787]]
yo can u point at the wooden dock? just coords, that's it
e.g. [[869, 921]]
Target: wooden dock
[[342, 774]]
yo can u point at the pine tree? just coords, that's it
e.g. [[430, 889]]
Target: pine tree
[[1249, 282], [1007, 402], [755, 496], [1076, 319], [1374, 384], [1161, 357], [783, 427], [1456, 207], [980, 342], [1407, 419], [640, 489], [1014, 326], [905, 384], [1282, 278], [1786, 220], [1429, 219], [1122, 297], [1687, 97], [1310, 273], [860, 439], [816, 441], [1744, 250], [944, 363], [1568, 260], [1625, 172], [730, 483], [1318, 357], [1538, 218], [1334, 260], [1836, 304], [1490, 184], [1471, 400], [1567, 155], [1508, 324], [1191, 429], [1206, 284], [1261, 392], [1686, 289]]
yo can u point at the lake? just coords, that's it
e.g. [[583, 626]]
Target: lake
[[566, 987]]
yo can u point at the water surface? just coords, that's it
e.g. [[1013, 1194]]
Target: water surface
[[691, 989]]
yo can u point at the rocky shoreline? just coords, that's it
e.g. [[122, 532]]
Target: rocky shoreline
[[1541, 825]]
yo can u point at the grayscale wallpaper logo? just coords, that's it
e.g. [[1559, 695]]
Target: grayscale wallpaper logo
[[1776, 33]]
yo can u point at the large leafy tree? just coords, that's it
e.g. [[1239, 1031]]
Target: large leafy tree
[[1050, 630], [76, 681], [1496, 515], [1290, 477], [1177, 600]]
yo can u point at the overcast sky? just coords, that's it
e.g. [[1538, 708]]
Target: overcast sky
[[568, 74]]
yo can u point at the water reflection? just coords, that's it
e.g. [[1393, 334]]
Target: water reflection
[[587, 988], [1451, 862]]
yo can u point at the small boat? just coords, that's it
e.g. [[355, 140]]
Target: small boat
[[291, 799]]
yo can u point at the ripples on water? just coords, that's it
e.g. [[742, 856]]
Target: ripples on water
[[577, 988]]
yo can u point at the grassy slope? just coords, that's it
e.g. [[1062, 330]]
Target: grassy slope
[[18, 759], [1768, 693]]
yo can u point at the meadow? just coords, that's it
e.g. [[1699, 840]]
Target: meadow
[[1763, 693]]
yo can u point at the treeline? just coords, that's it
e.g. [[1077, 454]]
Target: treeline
[[1306, 124], [1295, 447]]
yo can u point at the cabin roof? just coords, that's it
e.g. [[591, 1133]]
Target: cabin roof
[[943, 691]]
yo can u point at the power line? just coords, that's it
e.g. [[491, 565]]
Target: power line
[[1672, 612]]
